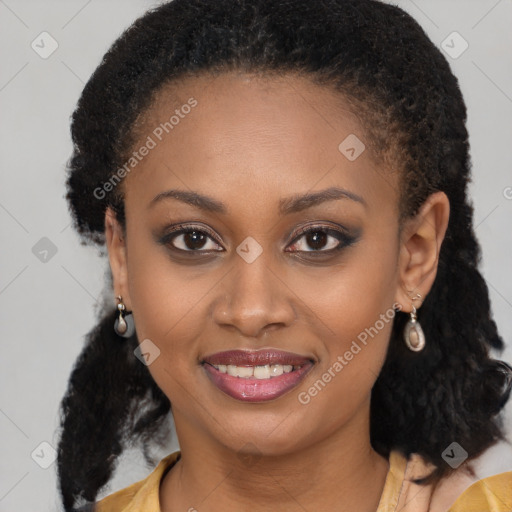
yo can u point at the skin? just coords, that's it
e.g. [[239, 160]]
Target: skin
[[250, 142]]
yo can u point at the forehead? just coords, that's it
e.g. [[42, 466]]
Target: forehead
[[251, 133], [255, 104]]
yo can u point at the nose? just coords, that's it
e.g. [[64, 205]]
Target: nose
[[254, 299]]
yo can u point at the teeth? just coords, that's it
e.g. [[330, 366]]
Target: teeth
[[258, 372], [276, 370], [239, 371], [262, 372]]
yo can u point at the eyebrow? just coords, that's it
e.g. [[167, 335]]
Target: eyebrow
[[299, 202], [292, 204]]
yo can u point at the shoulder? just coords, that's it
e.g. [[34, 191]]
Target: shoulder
[[142, 495], [461, 491], [492, 494], [481, 484]]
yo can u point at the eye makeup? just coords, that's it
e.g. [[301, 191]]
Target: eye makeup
[[195, 240]]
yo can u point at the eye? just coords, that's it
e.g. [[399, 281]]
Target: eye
[[191, 239], [321, 239]]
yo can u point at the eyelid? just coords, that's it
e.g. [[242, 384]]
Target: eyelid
[[183, 228], [344, 237], [325, 227], [337, 231], [198, 227]]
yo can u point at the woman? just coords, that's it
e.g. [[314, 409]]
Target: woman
[[281, 189]]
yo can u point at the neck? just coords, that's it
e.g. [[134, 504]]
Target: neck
[[341, 472]]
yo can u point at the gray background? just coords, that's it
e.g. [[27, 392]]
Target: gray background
[[48, 305]]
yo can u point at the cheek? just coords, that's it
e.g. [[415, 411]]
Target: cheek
[[341, 387], [351, 297], [361, 304], [168, 314], [166, 305], [355, 313]]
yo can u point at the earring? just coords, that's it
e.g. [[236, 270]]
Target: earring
[[414, 336], [123, 326]]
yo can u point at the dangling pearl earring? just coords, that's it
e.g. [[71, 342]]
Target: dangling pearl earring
[[414, 336], [123, 326]]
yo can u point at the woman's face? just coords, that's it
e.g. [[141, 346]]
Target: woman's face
[[249, 279]]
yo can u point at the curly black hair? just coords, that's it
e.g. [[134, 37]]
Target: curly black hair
[[414, 116]]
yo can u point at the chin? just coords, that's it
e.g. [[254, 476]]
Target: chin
[[272, 435]]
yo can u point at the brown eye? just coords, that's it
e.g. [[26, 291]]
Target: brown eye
[[320, 239], [193, 240], [190, 239]]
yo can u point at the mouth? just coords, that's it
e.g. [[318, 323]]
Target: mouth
[[256, 376]]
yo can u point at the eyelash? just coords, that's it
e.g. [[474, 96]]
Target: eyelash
[[344, 239]]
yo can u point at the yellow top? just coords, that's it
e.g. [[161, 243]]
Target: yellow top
[[457, 493]]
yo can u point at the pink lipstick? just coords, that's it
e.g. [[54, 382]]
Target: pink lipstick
[[256, 376]]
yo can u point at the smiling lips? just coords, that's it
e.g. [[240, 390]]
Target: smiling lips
[[255, 376]]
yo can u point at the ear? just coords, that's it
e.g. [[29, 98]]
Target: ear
[[420, 243], [115, 242]]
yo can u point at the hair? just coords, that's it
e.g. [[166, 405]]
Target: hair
[[381, 61]]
